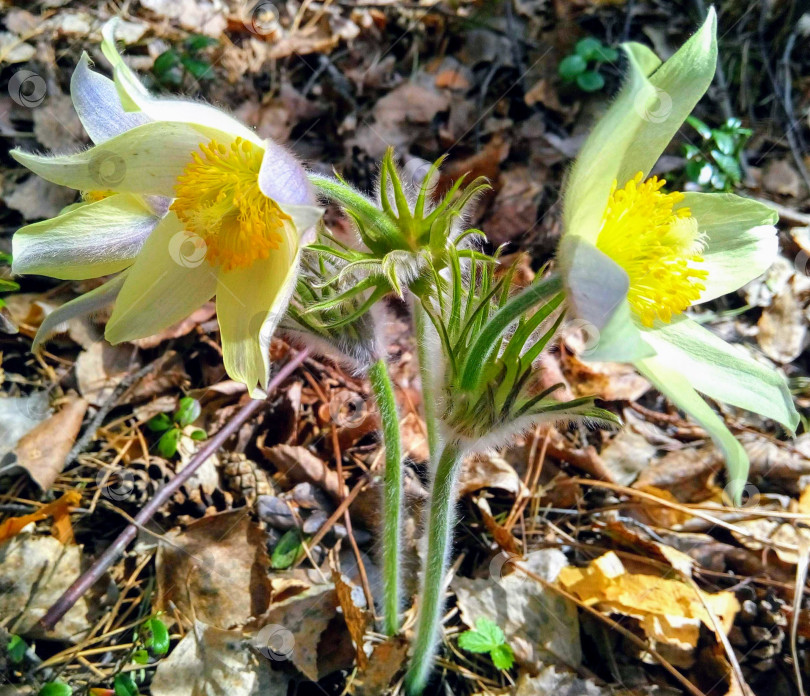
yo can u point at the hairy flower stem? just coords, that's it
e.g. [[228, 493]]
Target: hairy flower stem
[[392, 501], [421, 328], [439, 535]]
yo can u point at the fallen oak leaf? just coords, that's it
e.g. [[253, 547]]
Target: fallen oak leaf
[[669, 611], [43, 451], [59, 509]]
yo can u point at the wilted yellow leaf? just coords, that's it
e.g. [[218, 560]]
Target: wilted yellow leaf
[[668, 610]]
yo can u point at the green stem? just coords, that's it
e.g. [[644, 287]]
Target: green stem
[[439, 535], [421, 327], [392, 500]]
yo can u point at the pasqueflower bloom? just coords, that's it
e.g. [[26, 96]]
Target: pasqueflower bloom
[[635, 258], [184, 203]]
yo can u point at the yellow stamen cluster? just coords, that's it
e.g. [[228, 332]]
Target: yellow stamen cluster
[[95, 196], [218, 198], [658, 247]]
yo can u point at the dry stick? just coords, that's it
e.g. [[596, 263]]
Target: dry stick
[[111, 554]]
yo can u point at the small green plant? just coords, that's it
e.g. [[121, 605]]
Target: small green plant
[[583, 66], [15, 649], [714, 164], [173, 426], [487, 637], [172, 66], [55, 688], [124, 685], [287, 550], [153, 639]]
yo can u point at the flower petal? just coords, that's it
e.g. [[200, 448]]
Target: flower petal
[[283, 178], [163, 286], [250, 304], [92, 240], [741, 241], [90, 302], [638, 126], [135, 97], [98, 106], [147, 159], [675, 386], [596, 290], [722, 371]]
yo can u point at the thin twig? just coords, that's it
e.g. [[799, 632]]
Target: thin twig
[[123, 386], [106, 559]]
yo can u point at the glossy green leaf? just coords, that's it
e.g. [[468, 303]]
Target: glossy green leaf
[[140, 657], [726, 142], [167, 445], [198, 434], [123, 685], [159, 423], [165, 62], [199, 68], [590, 81], [55, 688], [188, 410], [16, 649], [155, 636], [287, 550], [588, 48], [571, 66], [198, 42]]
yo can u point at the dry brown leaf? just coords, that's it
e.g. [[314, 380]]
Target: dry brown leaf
[[669, 611], [780, 177], [59, 509], [100, 368], [538, 623], [383, 665], [210, 661], [215, 570], [34, 572], [299, 465], [488, 471], [353, 603], [301, 620], [514, 210], [19, 415], [42, 451], [627, 454], [36, 198], [608, 381], [783, 325]]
